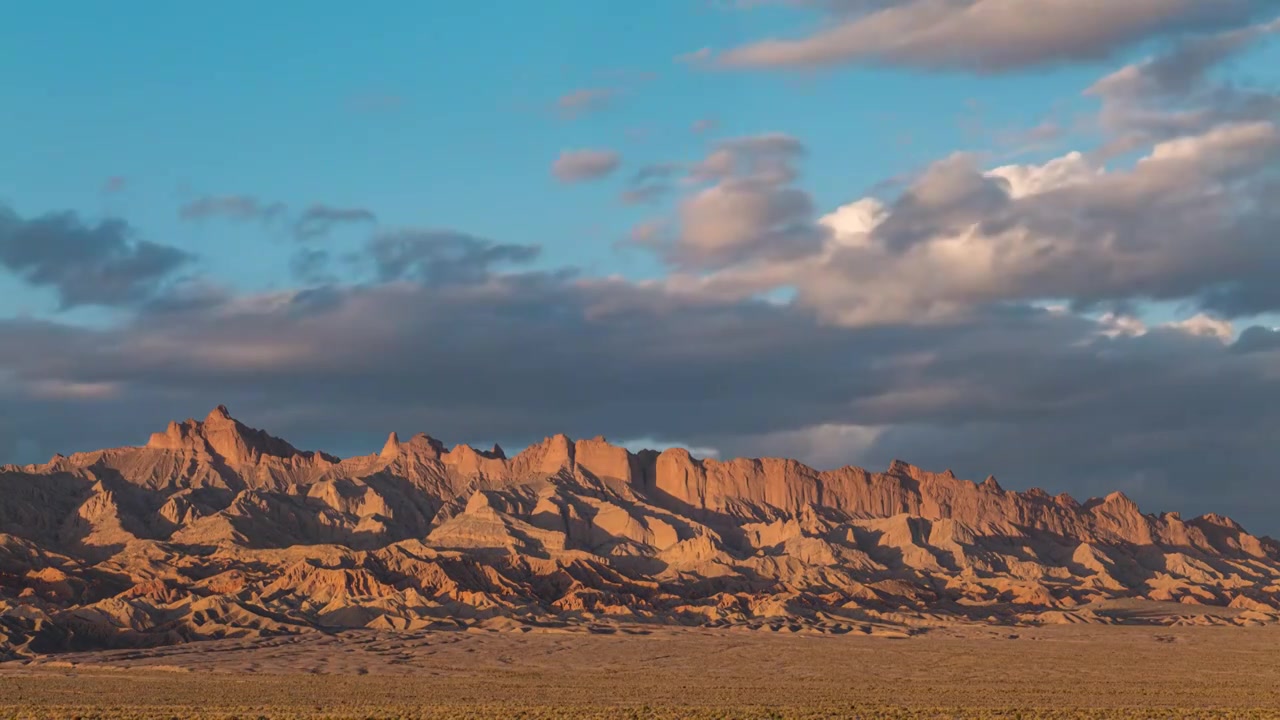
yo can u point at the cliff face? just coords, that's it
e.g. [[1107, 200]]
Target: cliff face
[[214, 528]]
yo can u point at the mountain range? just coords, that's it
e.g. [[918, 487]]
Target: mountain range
[[213, 529]]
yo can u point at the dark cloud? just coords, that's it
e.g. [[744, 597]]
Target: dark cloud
[[1175, 93], [438, 257], [243, 208], [650, 183], [315, 222], [311, 266], [319, 220], [1178, 419], [987, 36], [86, 264]]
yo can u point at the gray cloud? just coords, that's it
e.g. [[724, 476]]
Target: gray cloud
[[311, 266], [770, 158], [1039, 398], [986, 35], [98, 264], [315, 222], [575, 166], [745, 219], [650, 183], [319, 220], [1172, 94], [1183, 69], [1258, 339], [243, 208], [437, 257], [1190, 221]]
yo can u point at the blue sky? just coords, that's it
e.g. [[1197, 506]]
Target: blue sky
[[437, 114], [1050, 253]]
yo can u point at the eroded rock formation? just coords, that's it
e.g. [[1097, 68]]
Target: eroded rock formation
[[214, 529]]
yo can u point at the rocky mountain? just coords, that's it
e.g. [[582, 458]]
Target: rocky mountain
[[214, 529]]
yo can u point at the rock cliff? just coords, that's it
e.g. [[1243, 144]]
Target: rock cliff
[[214, 529]]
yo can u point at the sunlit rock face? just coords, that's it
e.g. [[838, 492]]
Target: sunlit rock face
[[214, 529]]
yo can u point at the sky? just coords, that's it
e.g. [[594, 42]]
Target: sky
[[1029, 238]]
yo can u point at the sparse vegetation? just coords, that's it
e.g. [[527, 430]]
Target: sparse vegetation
[[965, 672]]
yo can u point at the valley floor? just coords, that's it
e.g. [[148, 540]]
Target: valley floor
[[954, 671]]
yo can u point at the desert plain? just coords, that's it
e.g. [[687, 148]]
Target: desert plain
[[1078, 671]]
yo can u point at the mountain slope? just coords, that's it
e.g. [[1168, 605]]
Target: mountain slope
[[214, 529]]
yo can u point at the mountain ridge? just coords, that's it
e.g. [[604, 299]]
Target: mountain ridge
[[213, 528]]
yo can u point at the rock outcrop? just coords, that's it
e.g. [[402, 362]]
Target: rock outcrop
[[214, 529]]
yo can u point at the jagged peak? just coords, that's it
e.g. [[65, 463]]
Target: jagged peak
[[219, 415], [1119, 498], [551, 455], [424, 442], [390, 449], [1219, 521], [222, 435], [901, 466], [991, 484], [1116, 502]]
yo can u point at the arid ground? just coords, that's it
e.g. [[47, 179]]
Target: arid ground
[[961, 671]]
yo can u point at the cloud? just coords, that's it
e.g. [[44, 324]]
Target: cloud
[[1035, 396], [319, 220], [987, 36], [1174, 93], [1258, 339], [740, 219], [437, 257], [85, 264], [1183, 69], [1189, 221], [744, 207], [242, 208], [650, 183], [311, 266], [584, 101], [574, 166], [316, 221], [769, 158]]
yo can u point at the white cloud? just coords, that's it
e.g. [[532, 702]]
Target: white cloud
[[988, 35]]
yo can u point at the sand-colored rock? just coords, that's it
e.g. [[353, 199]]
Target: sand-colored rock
[[214, 529]]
